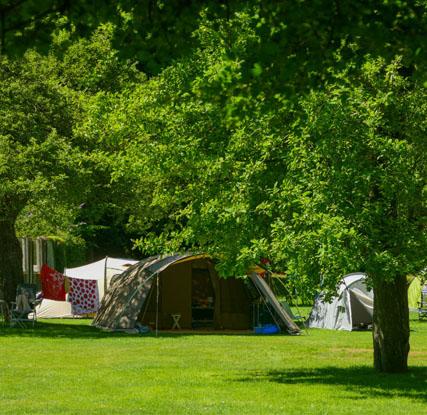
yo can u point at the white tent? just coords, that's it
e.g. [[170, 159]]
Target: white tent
[[54, 309], [102, 271], [352, 307]]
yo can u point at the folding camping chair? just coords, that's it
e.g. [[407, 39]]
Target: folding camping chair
[[422, 309], [4, 313], [23, 309], [176, 318]]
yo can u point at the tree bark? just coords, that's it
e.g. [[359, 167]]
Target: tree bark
[[10, 260], [391, 325]]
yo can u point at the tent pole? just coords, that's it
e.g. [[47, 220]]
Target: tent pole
[[267, 305], [157, 305], [294, 301], [105, 275]]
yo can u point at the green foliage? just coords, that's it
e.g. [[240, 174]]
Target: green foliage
[[302, 34], [290, 130], [354, 196], [236, 146], [92, 65], [226, 157], [70, 167], [36, 154]]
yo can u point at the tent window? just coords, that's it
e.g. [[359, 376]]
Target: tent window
[[202, 298]]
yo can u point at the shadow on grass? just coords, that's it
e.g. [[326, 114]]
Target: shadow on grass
[[58, 330], [359, 381], [83, 329]]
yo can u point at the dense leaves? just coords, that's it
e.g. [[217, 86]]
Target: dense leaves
[[218, 163], [355, 189], [36, 121], [291, 130]]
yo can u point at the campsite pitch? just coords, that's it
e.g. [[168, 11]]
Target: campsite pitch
[[68, 367]]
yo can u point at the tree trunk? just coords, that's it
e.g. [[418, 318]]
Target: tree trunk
[[10, 260], [391, 325]]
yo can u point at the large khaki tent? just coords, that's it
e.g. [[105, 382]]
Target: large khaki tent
[[351, 308], [185, 289]]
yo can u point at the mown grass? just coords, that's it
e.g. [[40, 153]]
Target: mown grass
[[68, 367]]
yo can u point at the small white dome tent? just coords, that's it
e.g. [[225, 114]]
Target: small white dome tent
[[351, 308]]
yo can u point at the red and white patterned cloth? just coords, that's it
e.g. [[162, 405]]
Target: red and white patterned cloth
[[83, 296], [52, 284]]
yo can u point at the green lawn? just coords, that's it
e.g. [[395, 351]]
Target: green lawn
[[67, 367]]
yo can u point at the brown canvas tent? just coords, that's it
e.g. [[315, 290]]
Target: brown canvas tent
[[154, 290]]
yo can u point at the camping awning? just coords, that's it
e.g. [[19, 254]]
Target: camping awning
[[96, 270]]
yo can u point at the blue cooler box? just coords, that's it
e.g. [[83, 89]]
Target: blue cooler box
[[266, 329]]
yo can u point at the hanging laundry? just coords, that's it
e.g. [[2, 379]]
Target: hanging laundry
[[52, 283], [83, 296]]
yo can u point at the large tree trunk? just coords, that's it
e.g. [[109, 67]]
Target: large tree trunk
[[10, 260], [391, 325]]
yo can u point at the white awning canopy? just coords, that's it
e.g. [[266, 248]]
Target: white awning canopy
[[102, 271], [97, 270]]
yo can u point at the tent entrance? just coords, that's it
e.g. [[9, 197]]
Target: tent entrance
[[360, 311], [202, 299]]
